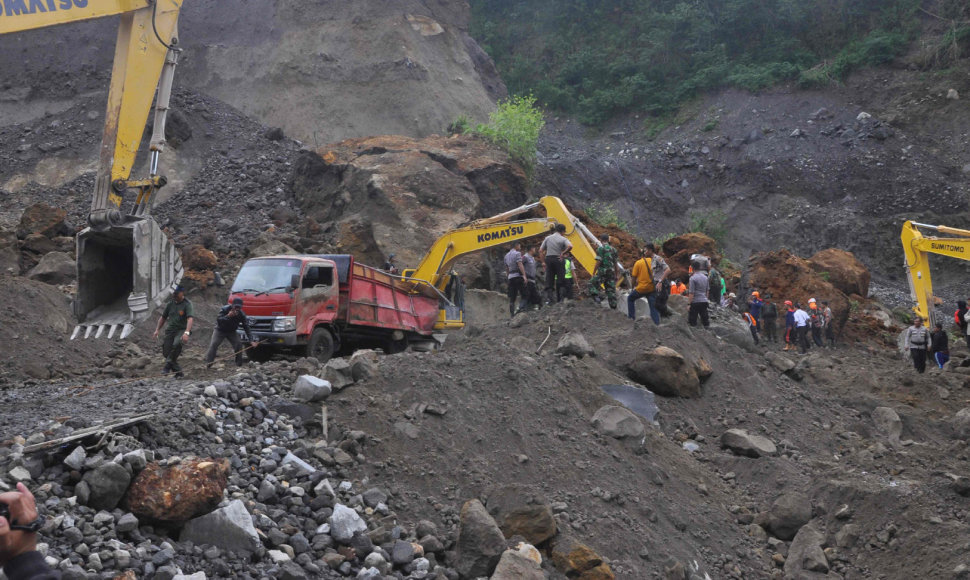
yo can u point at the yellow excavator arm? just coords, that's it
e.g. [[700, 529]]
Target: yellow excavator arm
[[917, 249], [126, 264], [435, 268]]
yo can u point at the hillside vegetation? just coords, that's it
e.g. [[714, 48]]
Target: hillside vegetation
[[596, 58]]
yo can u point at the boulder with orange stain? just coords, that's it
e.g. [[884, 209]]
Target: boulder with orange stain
[[180, 492]]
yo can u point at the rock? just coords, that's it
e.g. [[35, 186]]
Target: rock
[[618, 422], [274, 134], [577, 560], [703, 369], [740, 442], [126, 523], [302, 466], [230, 528], [20, 474], [54, 268], [339, 372], [952, 95], [519, 511], [514, 566], [363, 364], [402, 553], [848, 536], [180, 492], [344, 523], [779, 362], [574, 344], [374, 496], [806, 553], [43, 219], [960, 423], [265, 246], [107, 484], [76, 458], [665, 372], [480, 541], [196, 257], [788, 514], [309, 389], [679, 249], [888, 423], [842, 270]]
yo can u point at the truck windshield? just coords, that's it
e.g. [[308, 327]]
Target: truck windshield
[[266, 276]]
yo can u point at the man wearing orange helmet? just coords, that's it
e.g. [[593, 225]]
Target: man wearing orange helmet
[[789, 325], [755, 306]]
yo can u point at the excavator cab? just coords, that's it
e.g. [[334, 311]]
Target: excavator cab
[[123, 273]]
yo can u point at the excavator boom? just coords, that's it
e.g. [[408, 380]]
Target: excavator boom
[[126, 265], [435, 268], [917, 249]]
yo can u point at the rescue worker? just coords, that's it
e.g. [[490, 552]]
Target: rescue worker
[[644, 287], [552, 250], [530, 298], [660, 272], [769, 317], [755, 306], [917, 341], [802, 321], [230, 318], [569, 279], [389, 266], [180, 315], [816, 322], [829, 326], [19, 556], [752, 325], [729, 301], [789, 325], [606, 272], [677, 287], [960, 317], [697, 291], [940, 345], [515, 272]]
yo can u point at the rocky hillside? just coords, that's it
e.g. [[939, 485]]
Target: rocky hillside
[[321, 70]]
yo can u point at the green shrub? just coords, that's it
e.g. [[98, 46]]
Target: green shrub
[[712, 223], [825, 276], [514, 126], [606, 215], [710, 125], [460, 126], [660, 240]]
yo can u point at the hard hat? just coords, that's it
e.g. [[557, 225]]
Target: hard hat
[[755, 294], [788, 303], [811, 301]]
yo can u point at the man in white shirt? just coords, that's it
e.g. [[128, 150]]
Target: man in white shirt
[[801, 327]]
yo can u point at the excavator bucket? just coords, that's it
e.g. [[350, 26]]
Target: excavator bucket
[[123, 274]]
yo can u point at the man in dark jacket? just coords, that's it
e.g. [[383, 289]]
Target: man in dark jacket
[[769, 317], [940, 345], [18, 538], [231, 317]]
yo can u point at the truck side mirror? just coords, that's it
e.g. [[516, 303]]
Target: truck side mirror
[[295, 281]]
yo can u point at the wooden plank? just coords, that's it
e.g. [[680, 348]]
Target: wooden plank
[[88, 432]]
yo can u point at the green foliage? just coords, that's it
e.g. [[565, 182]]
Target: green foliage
[[460, 126], [825, 276], [660, 240], [606, 215], [598, 58], [712, 223], [853, 305], [711, 124], [514, 126]]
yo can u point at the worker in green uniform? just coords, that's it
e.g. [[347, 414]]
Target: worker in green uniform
[[606, 272], [569, 279], [180, 315]]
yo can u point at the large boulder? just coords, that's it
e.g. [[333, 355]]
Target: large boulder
[[180, 492], [787, 515], [618, 422], [740, 442], [345, 522], [422, 186], [310, 389], [577, 560], [43, 219], [514, 566], [575, 344], [519, 511], [107, 484], [230, 528], [960, 423], [843, 270], [480, 541], [679, 249], [54, 268], [806, 555], [888, 423], [788, 277], [665, 372], [197, 257]]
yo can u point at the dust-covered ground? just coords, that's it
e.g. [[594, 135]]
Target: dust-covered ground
[[433, 430]]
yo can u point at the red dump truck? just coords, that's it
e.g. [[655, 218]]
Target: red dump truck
[[317, 305]]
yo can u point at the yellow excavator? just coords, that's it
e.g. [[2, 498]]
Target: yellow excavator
[[917, 249], [126, 265], [435, 269]]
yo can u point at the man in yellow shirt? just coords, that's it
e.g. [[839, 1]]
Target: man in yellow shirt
[[644, 286]]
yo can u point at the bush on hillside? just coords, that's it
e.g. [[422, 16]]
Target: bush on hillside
[[514, 126]]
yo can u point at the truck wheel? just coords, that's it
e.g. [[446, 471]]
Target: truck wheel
[[320, 345], [260, 354]]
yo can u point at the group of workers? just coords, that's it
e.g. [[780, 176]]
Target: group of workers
[[923, 343], [522, 272]]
